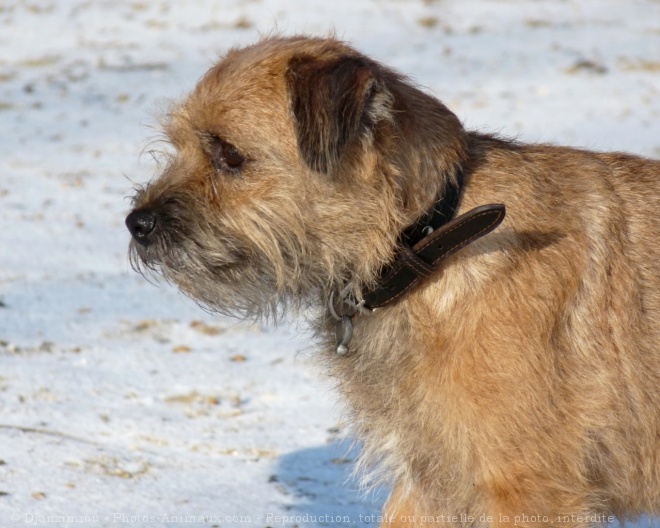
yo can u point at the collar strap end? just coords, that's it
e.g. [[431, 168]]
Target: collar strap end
[[413, 264]]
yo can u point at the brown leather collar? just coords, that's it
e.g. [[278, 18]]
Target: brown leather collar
[[414, 263], [425, 245]]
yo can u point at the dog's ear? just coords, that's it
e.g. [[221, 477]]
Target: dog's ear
[[334, 101]]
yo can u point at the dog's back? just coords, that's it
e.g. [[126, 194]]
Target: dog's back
[[585, 243], [636, 181]]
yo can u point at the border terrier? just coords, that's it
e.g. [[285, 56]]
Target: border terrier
[[497, 374]]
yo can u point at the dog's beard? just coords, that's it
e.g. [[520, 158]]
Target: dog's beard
[[235, 289], [256, 277]]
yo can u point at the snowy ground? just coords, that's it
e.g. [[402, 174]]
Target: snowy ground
[[123, 402]]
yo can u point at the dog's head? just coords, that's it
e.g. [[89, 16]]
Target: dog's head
[[296, 164]]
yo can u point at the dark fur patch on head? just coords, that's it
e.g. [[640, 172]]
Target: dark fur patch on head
[[330, 99]]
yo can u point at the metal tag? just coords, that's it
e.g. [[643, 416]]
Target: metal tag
[[343, 335]]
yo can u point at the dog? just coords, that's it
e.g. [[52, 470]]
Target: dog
[[490, 309]]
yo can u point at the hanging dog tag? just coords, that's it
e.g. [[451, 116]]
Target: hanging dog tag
[[343, 335]]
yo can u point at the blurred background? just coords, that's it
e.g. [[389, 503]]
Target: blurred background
[[122, 401]]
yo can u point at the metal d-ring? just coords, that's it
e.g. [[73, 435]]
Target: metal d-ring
[[344, 326], [331, 307]]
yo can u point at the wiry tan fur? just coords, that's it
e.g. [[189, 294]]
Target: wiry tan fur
[[521, 380]]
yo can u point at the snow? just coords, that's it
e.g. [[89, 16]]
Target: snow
[[124, 403]]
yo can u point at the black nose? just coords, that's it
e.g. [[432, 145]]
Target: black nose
[[141, 224]]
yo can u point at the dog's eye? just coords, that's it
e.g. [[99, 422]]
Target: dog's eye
[[232, 157], [225, 155]]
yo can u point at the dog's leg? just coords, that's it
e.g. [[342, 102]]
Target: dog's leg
[[399, 511], [403, 510], [542, 510]]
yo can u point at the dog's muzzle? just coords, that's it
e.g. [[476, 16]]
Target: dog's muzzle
[[141, 224]]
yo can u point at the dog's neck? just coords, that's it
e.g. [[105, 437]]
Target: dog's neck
[[442, 212], [421, 250]]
